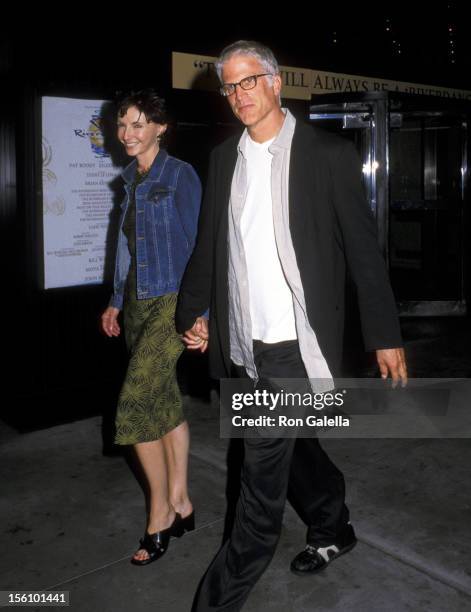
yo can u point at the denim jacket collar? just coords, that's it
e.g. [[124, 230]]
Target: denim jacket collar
[[155, 171]]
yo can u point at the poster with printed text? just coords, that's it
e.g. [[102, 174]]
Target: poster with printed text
[[77, 177]]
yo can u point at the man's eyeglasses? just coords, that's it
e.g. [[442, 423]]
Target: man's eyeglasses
[[248, 83]]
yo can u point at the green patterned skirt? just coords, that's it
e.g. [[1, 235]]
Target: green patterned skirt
[[150, 403]]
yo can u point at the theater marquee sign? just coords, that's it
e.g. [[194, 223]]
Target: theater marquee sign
[[197, 72]]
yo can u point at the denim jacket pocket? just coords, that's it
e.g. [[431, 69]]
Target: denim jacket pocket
[[157, 194]]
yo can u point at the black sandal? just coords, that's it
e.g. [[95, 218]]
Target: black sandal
[[156, 544], [189, 522]]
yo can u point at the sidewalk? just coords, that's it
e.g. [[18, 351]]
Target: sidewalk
[[72, 518]]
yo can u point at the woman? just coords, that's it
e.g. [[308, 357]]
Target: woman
[[156, 236]]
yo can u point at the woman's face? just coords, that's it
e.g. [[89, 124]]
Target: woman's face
[[138, 135]]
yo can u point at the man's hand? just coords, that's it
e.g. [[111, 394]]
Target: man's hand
[[392, 361], [197, 337]]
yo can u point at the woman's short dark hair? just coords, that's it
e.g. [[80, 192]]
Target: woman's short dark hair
[[147, 102]]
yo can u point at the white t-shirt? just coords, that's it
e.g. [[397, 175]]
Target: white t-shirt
[[271, 301]]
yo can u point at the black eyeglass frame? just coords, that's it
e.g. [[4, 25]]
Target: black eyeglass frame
[[247, 78]]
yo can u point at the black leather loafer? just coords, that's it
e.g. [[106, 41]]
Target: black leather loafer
[[315, 559]]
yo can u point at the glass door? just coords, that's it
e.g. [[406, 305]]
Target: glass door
[[427, 166], [355, 122]]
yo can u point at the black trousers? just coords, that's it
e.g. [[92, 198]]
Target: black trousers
[[273, 469]]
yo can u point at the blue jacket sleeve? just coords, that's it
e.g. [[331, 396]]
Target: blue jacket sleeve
[[121, 269], [188, 201], [195, 290]]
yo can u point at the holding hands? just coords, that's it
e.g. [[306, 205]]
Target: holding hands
[[197, 337]]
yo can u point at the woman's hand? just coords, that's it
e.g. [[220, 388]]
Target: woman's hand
[[109, 322]]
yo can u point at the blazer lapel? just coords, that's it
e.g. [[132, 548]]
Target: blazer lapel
[[228, 163]]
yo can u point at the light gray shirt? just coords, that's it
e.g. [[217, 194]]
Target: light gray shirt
[[240, 326]]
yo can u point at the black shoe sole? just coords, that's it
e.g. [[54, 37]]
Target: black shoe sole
[[341, 552]]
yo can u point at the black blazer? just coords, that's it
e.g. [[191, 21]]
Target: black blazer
[[331, 227]]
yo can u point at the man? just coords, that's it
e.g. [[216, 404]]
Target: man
[[283, 211]]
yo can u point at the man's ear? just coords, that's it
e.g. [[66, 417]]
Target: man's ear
[[277, 84]]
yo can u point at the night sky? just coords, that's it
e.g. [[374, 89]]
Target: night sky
[[430, 48]]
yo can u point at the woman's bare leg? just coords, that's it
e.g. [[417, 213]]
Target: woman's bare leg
[[151, 456], [176, 444]]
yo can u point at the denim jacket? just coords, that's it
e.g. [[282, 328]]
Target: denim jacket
[[167, 208]]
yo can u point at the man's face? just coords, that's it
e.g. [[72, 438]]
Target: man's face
[[251, 106]]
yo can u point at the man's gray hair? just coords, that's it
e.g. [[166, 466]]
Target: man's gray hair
[[248, 47]]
